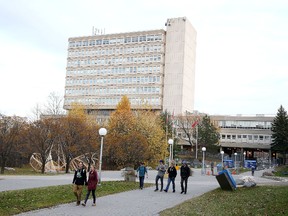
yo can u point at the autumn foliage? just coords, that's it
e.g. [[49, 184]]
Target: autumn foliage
[[134, 136]]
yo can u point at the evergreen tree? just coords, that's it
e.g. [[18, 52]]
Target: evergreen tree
[[208, 135], [280, 131]]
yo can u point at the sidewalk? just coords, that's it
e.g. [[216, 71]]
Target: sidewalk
[[144, 202]]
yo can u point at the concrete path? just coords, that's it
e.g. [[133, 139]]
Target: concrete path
[[11, 182], [136, 202]]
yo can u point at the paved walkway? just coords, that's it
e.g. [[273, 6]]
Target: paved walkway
[[13, 182], [136, 202]]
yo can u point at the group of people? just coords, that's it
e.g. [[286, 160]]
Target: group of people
[[80, 179], [172, 173]]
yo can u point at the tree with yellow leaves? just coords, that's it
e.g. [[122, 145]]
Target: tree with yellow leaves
[[149, 124], [134, 136], [75, 136]]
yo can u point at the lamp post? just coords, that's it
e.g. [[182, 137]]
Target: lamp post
[[170, 142], [102, 133], [235, 161], [203, 160], [244, 157], [222, 156]]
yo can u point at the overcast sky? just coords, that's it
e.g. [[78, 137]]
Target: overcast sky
[[241, 55]]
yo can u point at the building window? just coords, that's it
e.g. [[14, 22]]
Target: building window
[[127, 40], [105, 41], [98, 42], [134, 39]]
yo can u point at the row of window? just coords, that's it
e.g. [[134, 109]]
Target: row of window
[[246, 137], [118, 80], [114, 60], [115, 51], [245, 124], [112, 90], [114, 101], [122, 40], [115, 70]]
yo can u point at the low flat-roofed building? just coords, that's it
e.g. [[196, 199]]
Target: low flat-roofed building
[[248, 136]]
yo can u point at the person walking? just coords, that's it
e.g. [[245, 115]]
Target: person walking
[[142, 171], [253, 168], [161, 171], [92, 185], [80, 178], [184, 173], [212, 168], [172, 173]]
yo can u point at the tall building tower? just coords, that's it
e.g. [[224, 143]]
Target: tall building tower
[[154, 68], [179, 70]]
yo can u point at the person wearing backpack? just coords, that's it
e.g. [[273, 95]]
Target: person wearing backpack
[[142, 171]]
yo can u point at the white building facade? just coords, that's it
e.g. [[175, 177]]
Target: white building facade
[[155, 69], [250, 137]]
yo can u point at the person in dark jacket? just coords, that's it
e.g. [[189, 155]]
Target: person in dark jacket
[[184, 173], [92, 185], [80, 178], [142, 171], [172, 173]]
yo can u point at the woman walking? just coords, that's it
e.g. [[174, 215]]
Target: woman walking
[[92, 184]]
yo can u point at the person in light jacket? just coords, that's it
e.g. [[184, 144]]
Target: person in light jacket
[[161, 171]]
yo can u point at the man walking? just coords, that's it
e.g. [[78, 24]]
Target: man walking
[[184, 173], [142, 170], [161, 171], [172, 173], [80, 178]]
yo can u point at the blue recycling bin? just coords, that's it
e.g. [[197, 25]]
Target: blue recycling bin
[[219, 167], [228, 163], [250, 163]]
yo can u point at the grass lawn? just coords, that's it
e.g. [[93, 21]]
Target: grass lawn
[[14, 202], [282, 171], [24, 170], [259, 200]]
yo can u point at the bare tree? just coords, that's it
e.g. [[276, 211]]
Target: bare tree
[[37, 112], [54, 104], [198, 128], [187, 126]]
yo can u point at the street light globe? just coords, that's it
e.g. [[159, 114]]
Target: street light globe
[[222, 152], [102, 131], [170, 141], [204, 149], [235, 153]]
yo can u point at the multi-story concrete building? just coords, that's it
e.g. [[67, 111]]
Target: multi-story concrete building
[[250, 137], [154, 68]]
